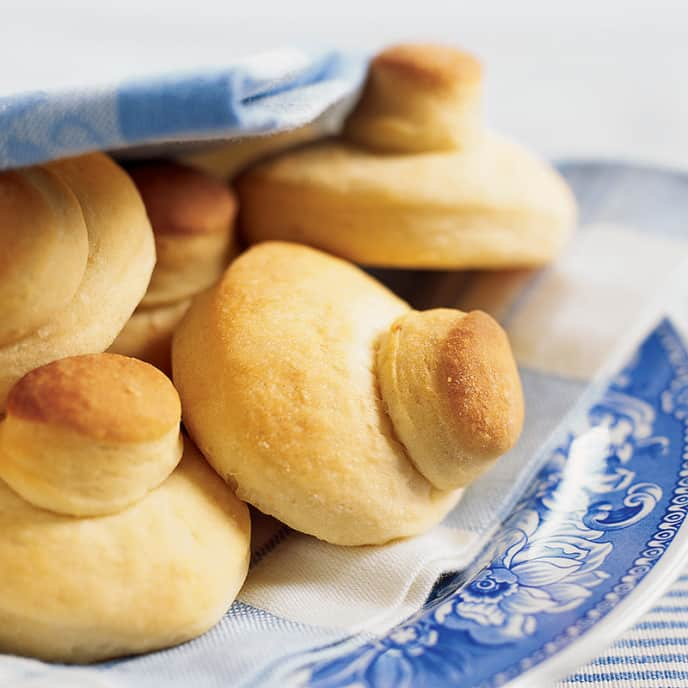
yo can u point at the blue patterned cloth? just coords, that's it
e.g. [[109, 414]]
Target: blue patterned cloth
[[260, 94]]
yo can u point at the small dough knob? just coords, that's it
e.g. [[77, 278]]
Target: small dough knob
[[450, 385], [418, 98], [89, 435]]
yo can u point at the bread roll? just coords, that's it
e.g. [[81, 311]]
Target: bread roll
[[77, 256], [192, 215], [45, 249], [148, 333], [415, 180], [90, 434], [169, 547], [331, 405], [419, 98], [450, 385]]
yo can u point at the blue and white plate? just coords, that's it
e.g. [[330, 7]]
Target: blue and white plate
[[594, 540]]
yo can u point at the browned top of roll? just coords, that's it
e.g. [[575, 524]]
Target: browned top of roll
[[183, 200], [451, 386], [428, 64], [102, 396], [481, 385]]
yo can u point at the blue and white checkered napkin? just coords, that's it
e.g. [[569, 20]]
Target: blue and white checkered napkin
[[302, 593], [263, 93]]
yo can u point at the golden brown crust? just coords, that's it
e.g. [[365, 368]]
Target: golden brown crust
[[65, 444], [99, 240], [451, 388], [418, 98], [117, 399], [477, 370], [429, 65], [44, 249], [181, 200], [192, 214]]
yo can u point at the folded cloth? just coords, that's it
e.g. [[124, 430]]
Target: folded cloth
[[260, 94]]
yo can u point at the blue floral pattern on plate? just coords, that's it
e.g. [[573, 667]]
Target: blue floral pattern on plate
[[601, 512]]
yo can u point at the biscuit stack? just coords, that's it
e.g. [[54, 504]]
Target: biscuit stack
[[110, 544], [315, 393], [192, 216]]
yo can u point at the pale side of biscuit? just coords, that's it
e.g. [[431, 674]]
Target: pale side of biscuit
[[226, 160], [155, 574], [148, 334], [495, 206], [186, 266]]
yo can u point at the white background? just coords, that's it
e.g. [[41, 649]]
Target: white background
[[573, 79]]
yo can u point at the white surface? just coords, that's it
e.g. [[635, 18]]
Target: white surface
[[572, 79], [579, 338], [313, 582]]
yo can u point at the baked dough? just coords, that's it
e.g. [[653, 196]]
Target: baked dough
[[415, 180], [192, 215], [90, 434], [87, 435], [331, 405], [148, 333], [77, 255]]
